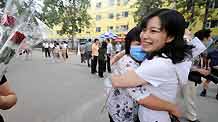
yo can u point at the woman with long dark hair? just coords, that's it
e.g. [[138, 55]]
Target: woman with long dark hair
[[162, 37]]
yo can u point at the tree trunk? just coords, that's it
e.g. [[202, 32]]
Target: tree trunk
[[206, 14], [192, 11], [2, 4], [174, 4], [72, 41]]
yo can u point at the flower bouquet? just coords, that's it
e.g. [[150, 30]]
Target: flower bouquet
[[16, 14]]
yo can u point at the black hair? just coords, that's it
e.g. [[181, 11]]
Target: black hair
[[89, 40], [104, 45], [201, 34], [186, 24], [108, 40], [173, 23], [132, 35], [95, 40]]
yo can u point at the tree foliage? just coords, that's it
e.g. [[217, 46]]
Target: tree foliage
[[71, 15], [144, 7], [193, 10], [2, 4]]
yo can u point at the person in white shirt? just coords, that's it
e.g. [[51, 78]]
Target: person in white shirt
[[51, 48], [118, 47], [109, 54], [46, 47], [126, 98], [162, 37]]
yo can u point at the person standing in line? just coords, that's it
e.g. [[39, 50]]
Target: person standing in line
[[51, 48], [118, 47], [82, 53], [109, 54], [43, 48], [63, 50], [57, 52], [8, 98], [66, 44], [102, 59], [94, 61], [47, 52], [88, 51]]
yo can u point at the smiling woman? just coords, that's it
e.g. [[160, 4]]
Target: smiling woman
[[162, 32], [162, 37]]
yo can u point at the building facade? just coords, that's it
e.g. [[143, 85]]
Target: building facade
[[109, 16], [212, 22]]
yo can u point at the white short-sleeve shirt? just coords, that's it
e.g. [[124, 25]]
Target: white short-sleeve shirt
[[64, 46], [109, 48], [160, 73], [51, 45]]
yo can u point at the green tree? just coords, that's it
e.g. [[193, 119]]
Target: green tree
[[192, 10], [2, 4], [145, 6], [71, 15]]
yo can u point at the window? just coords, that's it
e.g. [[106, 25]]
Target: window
[[216, 4], [111, 2], [124, 27], [110, 28], [118, 16], [98, 17], [213, 4], [98, 29], [98, 5], [118, 2], [125, 2], [125, 14], [111, 16], [117, 28]]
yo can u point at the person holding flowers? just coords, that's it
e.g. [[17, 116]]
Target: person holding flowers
[[8, 98]]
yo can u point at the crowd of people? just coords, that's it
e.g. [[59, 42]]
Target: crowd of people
[[55, 50], [99, 53]]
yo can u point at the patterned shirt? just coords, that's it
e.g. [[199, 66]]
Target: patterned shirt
[[121, 103]]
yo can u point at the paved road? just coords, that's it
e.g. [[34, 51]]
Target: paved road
[[67, 92]]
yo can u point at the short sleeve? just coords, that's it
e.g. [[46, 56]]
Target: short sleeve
[[3, 80], [155, 71]]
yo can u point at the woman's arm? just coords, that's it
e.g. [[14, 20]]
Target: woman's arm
[[129, 79], [148, 100], [7, 97], [155, 103], [200, 70]]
